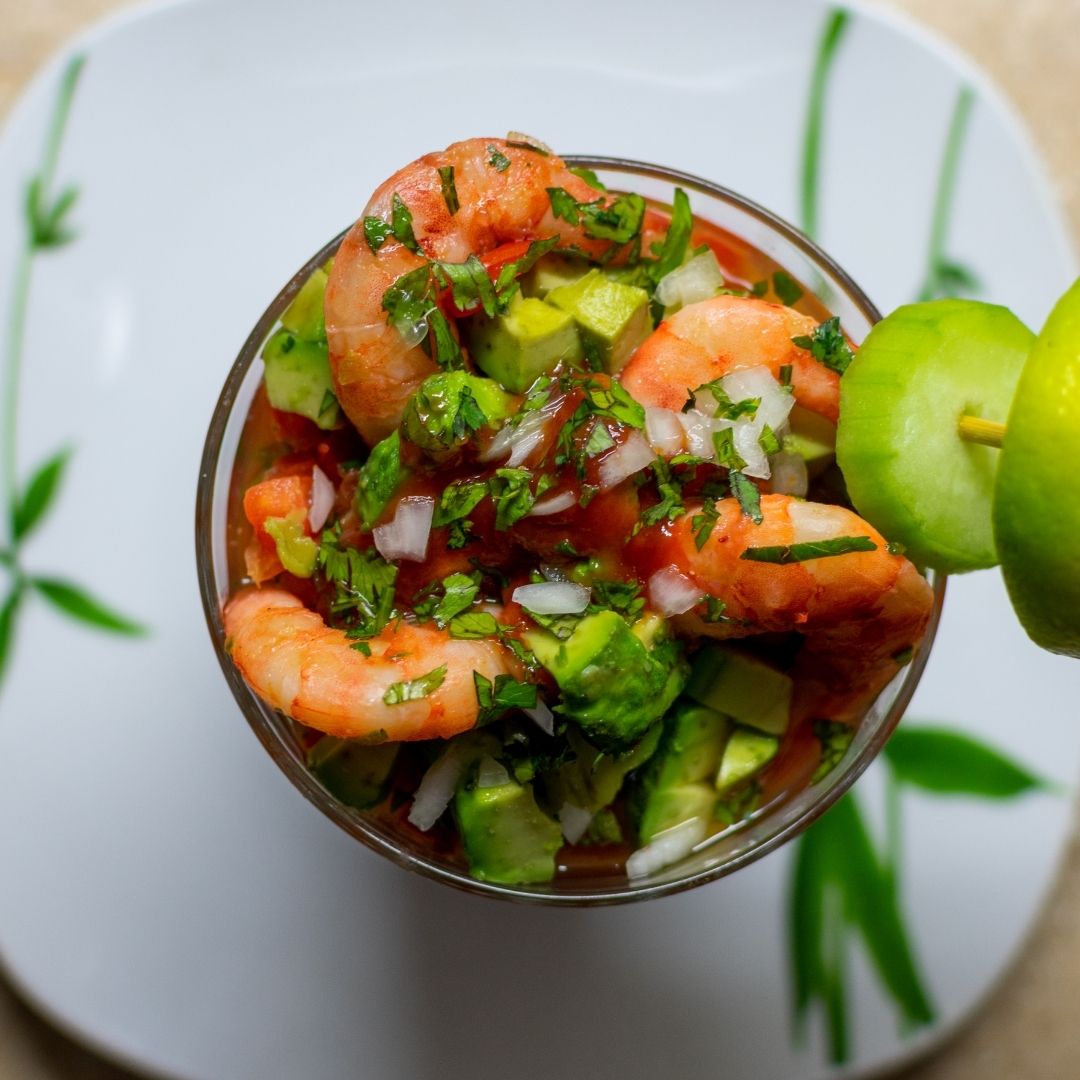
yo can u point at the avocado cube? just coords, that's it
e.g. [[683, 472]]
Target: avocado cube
[[507, 837], [671, 806], [516, 348], [552, 272], [304, 316], [614, 684], [613, 318], [742, 687], [747, 752], [592, 779], [297, 378], [356, 774]]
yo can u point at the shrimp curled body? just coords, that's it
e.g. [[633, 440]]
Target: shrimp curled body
[[860, 613], [712, 338], [502, 198], [311, 672]]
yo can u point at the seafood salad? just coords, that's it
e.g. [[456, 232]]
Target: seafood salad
[[537, 533]]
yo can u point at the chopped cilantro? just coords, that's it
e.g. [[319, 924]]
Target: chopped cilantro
[[669, 488], [714, 610], [460, 535], [498, 160], [759, 288], [361, 647], [566, 547], [673, 250], [449, 189], [459, 592], [415, 689], [828, 345], [511, 492], [474, 624], [768, 440], [409, 301], [505, 693], [788, 290], [599, 440], [811, 549], [622, 597], [376, 232], [726, 454], [785, 375], [401, 223], [362, 583], [704, 522], [747, 496], [619, 222], [470, 284], [379, 478], [588, 176], [457, 500]]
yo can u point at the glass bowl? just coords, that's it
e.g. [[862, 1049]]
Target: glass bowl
[[737, 846]]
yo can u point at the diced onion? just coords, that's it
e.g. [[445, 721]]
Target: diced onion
[[574, 821], [542, 716], [746, 435], [528, 435], [553, 597], [499, 446], [664, 431], [697, 279], [436, 789], [699, 432], [758, 382], [671, 592], [553, 504], [322, 499], [789, 475], [406, 535], [490, 773], [666, 848], [629, 457]]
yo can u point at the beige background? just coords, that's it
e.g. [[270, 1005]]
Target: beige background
[[1030, 1028]]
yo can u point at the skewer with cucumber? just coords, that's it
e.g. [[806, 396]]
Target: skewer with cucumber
[[959, 437]]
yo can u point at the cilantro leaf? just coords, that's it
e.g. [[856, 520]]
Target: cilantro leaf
[[459, 592], [401, 223], [498, 160], [376, 232], [511, 492], [458, 500], [747, 496], [415, 689], [474, 624], [677, 239], [449, 189], [704, 522], [828, 345], [788, 290], [811, 549], [505, 693], [380, 477], [363, 582]]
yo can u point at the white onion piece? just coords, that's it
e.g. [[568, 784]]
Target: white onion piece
[[697, 279], [758, 382], [553, 597], [322, 499], [699, 432], [666, 848], [746, 435], [789, 476], [664, 431], [574, 821], [490, 773], [671, 592], [528, 435], [553, 504], [436, 789], [406, 535], [412, 333], [542, 716], [629, 457], [499, 446]]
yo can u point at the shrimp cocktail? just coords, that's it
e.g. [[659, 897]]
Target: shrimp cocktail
[[538, 552]]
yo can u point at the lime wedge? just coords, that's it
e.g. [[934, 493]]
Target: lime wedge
[[1037, 496], [908, 472]]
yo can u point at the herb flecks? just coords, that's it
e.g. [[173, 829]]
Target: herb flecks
[[783, 554], [415, 689], [828, 345]]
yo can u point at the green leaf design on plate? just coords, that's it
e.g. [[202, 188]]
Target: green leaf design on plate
[[946, 762], [80, 605], [39, 494]]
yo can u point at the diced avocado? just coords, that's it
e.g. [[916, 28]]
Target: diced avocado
[[516, 348], [813, 438], [298, 378], [552, 272], [615, 682], [507, 837], [353, 773], [747, 752], [741, 686], [295, 549], [380, 476], [304, 316], [448, 407], [835, 738], [677, 783], [613, 318], [593, 779]]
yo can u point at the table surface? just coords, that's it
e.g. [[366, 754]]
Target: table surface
[[1027, 1029]]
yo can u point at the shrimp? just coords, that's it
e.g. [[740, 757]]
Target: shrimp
[[861, 613], [311, 672], [502, 198], [712, 338]]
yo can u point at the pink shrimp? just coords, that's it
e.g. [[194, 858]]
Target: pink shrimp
[[502, 198], [861, 613], [311, 672], [712, 338]]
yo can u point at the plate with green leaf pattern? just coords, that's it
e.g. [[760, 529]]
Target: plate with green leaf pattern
[[167, 895]]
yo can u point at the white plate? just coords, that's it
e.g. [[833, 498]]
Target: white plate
[[166, 893]]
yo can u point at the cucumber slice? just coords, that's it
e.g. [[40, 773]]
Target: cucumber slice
[[1036, 511], [907, 470]]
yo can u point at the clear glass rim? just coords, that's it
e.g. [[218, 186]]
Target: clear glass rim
[[352, 822]]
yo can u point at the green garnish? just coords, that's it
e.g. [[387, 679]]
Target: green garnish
[[401, 223], [726, 454], [811, 549], [458, 500], [415, 689], [622, 597], [380, 476], [828, 345], [787, 289], [506, 282], [835, 738], [768, 440], [714, 610], [474, 624], [459, 592], [449, 190], [588, 176], [505, 693], [409, 301], [704, 523], [669, 488], [362, 582], [599, 440], [673, 250], [376, 232], [498, 160], [620, 222], [747, 496], [513, 497], [443, 412], [785, 376], [470, 284]]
